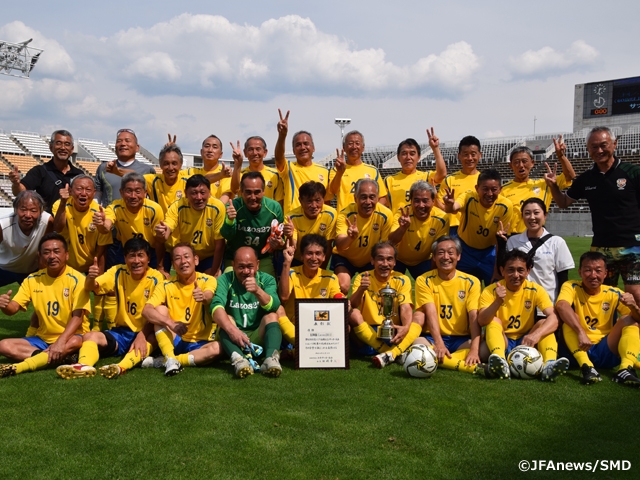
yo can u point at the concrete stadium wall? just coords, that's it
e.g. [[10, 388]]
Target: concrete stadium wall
[[569, 224]]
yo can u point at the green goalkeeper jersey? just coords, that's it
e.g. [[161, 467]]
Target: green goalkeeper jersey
[[243, 306], [249, 229]]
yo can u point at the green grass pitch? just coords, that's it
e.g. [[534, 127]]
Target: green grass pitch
[[362, 423]]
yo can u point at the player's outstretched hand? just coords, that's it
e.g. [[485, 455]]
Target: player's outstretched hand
[[405, 218], [250, 284], [550, 177], [283, 124], [172, 141], [162, 230], [502, 230], [226, 171], [472, 359], [434, 142], [237, 155], [289, 250], [501, 291], [64, 194], [340, 164], [288, 228], [352, 229], [5, 298], [449, 198], [99, 217], [365, 281], [14, 176], [628, 300], [198, 294], [441, 352], [231, 211], [94, 270], [560, 146]]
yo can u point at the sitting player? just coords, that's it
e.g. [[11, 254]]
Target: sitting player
[[179, 311], [133, 284], [508, 309], [448, 299], [244, 307], [308, 280], [364, 317], [600, 323], [61, 305]]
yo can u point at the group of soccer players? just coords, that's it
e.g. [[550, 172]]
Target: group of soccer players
[[245, 243]]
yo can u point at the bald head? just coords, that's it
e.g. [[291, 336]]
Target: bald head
[[245, 263]]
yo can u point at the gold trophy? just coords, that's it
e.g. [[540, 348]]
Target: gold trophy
[[388, 300]]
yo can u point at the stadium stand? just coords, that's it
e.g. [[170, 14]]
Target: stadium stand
[[98, 149], [7, 145], [88, 166], [23, 162], [32, 143], [139, 156]]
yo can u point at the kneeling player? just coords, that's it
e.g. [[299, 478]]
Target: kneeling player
[[449, 301], [133, 284], [61, 305], [364, 317], [508, 307], [179, 311], [600, 323]]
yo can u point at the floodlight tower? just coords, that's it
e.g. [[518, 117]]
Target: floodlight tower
[[16, 59], [342, 123]]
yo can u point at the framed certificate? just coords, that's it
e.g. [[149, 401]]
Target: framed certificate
[[322, 339]]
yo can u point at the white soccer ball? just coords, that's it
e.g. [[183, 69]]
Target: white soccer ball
[[420, 361], [525, 362]]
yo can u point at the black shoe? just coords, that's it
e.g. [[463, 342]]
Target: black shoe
[[627, 376], [589, 374]]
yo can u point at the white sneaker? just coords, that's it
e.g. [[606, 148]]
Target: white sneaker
[[553, 369], [172, 367], [382, 359], [271, 365], [153, 362], [499, 367], [241, 365]]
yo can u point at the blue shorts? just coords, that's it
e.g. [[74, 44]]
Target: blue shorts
[[453, 231], [416, 270], [182, 346], [124, 336], [340, 261], [37, 342], [452, 342], [511, 344], [599, 354], [479, 263], [7, 277]]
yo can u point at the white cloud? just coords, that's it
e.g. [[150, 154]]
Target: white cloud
[[548, 62]]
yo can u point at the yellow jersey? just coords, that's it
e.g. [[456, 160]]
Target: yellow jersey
[[81, 235], [323, 285], [518, 310], [163, 194], [183, 308], [54, 300], [461, 184], [415, 246], [597, 313], [131, 295], [141, 224], [200, 229], [398, 187], [351, 175], [273, 187], [324, 224], [453, 299], [369, 306], [293, 175], [218, 188], [478, 225], [371, 230], [518, 192]]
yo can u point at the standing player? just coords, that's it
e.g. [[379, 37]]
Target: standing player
[[448, 300], [179, 311], [360, 225], [61, 304], [600, 323], [133, 283], [507, 309], [364, 317], [244, 308], [255, 149], [408, 154], [345, 174], [169, 186], [481, 214], [415, 227], [215, 171]]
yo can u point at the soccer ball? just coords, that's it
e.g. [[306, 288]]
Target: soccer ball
[[420, 361], [525, 362]]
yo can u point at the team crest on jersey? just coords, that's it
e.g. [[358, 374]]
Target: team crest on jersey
[[147, 222], [323, 227], [269, 184], [432, 232], [321, 177], [606, 306], [65, 292], [92, 227], [209, 222], [146, 293], [217, 184], [366, 175], [323, 292], [462, 294], [179, 194], [621, 183], [536, 190], [376, 227], [527, 304], [496, 219]]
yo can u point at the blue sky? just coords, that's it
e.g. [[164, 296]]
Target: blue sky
[[193, 68]]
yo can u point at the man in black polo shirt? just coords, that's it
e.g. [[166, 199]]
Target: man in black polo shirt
[[54, 175], [612, 189]]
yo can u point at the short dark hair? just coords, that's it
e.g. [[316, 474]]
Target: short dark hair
[[168, 148], [255, 137], [516, 254], [136, 244], [468, 141], [309, 189], [411, 143], [592, 257], [535, 200], [53, 236], [489, 174], [196, 180], [212, 136], [313, 239], [250, 175], [521, 149], [183, 244], [385, 244]]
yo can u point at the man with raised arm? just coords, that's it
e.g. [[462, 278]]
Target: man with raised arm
[[216, 172], [255, 149]]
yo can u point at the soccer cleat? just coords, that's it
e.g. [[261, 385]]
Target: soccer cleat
[[627, 376], [172, 367], [271, 365], [241, 365], [499, 367], [382, 359], [589, 374], [401, 358], [112, 371], [152, 362], [7, 370], [483, 369], [554, 369], [70, 359], [76, 370]]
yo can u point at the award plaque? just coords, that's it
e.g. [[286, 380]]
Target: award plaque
[[322, 339]]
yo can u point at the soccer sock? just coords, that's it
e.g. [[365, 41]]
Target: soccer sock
[[109, 309], [88, 354], [132, 358], [272, 338], [33, 363], [629, 346], [548, 347], [31, 331], [288, 330], [412, 334], [571, 339], [98, 309], [367, 334], [186, 360], [165, 342], [456, 362], [495, 338], [227, 344]]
